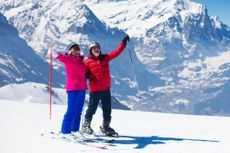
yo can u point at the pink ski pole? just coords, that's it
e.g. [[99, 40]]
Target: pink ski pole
[[50, 83]]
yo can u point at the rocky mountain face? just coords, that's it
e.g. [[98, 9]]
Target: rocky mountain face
[[18, 62], [179, 42], [181, 55]]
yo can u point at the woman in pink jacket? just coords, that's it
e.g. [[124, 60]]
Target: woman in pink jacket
[[75, 88]]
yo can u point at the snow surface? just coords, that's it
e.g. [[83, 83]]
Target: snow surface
[[146, 132], [32, 93]]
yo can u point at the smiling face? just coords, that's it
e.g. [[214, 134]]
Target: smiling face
[[96, 51], [75, 51]]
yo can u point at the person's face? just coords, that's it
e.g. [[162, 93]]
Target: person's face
[[96, 51], [75, 51]]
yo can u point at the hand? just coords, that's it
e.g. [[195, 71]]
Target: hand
[[50, 50], [125, 40]]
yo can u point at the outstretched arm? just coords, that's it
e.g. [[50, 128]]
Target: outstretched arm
[[61, 57]]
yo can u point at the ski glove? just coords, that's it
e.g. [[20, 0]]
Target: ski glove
[[54, 53], [125, 40]]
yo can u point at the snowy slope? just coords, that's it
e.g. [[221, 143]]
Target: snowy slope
[[32, 93], [22, 124], [39, 93]]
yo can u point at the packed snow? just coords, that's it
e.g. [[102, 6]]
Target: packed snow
[[32, 93], [23, 123]]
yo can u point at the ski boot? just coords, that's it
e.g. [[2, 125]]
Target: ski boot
[[86, 128], [107, 130]]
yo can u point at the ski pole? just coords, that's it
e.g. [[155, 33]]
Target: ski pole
[[50, 82], [82, 116], [134, 74]]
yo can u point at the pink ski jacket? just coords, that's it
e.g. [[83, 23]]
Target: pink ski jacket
[[75, 71]]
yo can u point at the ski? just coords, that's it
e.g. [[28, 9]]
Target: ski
[[83, 141], [99, 138]]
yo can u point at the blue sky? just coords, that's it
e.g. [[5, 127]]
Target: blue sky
[[220, 8]]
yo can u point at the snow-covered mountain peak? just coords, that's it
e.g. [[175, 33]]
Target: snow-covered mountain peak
[[171, 44], [67, 13], [216, 22], [171, 33], [136, 17], [51, 21]]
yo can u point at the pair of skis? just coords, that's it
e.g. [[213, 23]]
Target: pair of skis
[[93, 141]]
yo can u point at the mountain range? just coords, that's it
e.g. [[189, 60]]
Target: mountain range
[[19, 63], [181, 55]]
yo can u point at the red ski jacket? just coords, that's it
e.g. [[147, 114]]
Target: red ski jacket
[[99, 71]]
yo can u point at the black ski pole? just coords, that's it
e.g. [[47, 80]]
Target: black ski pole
[[134, 74]]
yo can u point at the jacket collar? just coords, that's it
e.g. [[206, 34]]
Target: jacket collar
[[80, 57], [93, 57]]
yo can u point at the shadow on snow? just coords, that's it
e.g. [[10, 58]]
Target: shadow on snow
[[143, 141]]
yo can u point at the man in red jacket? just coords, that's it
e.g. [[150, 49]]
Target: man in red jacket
[[97, 67]]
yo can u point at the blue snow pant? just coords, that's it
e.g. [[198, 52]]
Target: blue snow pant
[[94, 98], [72, 117]]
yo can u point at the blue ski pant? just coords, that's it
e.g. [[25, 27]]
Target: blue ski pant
[[72, 117], [94, 99]]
